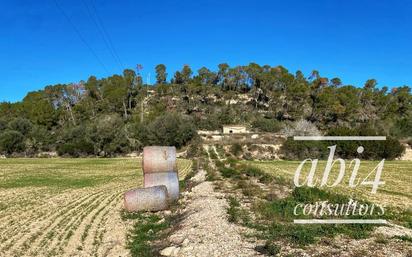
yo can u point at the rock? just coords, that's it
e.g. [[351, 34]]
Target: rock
[[177, 240], [167, 212], [185, 242], [133, 155], [394, 230], [171, 251]]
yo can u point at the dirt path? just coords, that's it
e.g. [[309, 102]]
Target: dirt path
[[205, 230]]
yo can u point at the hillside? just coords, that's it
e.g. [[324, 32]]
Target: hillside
[[119, 114]]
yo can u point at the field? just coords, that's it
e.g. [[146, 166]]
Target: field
[[397, 175], [66, 207]]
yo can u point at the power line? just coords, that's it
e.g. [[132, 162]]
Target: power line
[[100, 29], [80, 36], [106, 33]]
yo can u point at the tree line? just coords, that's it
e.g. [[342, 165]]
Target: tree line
[[119, 114]]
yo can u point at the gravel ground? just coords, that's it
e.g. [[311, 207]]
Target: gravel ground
[[206, 231]]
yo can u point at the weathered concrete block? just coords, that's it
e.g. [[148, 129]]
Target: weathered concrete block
[[169, 179], [146, 199], [158, 159]]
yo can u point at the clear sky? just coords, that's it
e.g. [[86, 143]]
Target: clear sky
[[352, 39]]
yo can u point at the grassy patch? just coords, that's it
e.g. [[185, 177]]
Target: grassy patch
[[270, 248], [279, 214], [236, 213], [404, 238], [147, 228], [396, 192], [150, 227], [186, 183], [47, 180]]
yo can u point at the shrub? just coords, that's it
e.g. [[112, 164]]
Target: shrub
[[3, 124], [169, 129], [11, 141], [236, 213], [76, 148], [236, 149], [267, 125], [373, 150], [402, 128], [272, 248], [195, 148], [229, 172], [75, 142], [280, 212], [21, 125]]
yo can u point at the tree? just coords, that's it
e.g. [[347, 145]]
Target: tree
[[161, 74], [336, 82], [370, 84], [93, 88], [11, 142], [186, 73], [168, 129], [117, 114], [178, 78], [222, 73], [3, 125], [39, 109], [206, 77], [75, 141], [21, 125]]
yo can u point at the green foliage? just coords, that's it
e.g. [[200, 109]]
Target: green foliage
[[300, 150], [402, 128], [229, 172], [267, 125], [11, 141], [161, 74], [404, 238], [3, 124], [236, 149], [373, 150], [195, 148], [280, 213], [265, 97], [271, 248], [213, 155], [169, 129], [53, 181], [146, 229], [236, 213], [75, 142], [21, 125]]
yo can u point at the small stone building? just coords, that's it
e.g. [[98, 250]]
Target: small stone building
[[234, 129]]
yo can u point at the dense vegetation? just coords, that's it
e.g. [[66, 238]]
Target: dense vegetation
[[372, 150], [120, 114]]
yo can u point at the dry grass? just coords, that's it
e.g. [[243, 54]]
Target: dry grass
[[62, 207], [397, 176]]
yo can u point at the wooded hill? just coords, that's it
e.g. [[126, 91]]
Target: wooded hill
[[120, 114]]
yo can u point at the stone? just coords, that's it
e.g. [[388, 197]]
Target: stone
[[185, 242], [171, 251]]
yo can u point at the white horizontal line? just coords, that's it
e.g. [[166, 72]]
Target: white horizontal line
[[339, 138], [339, 221]]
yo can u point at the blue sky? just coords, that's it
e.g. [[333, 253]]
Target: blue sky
[[354, 40]]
